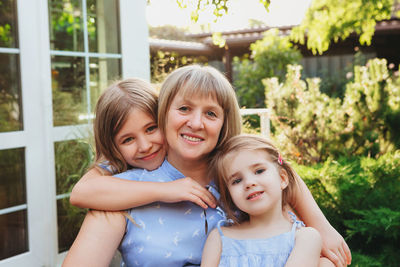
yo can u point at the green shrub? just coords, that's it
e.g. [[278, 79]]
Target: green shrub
[[312, 126], [359, 196], [269, 58]]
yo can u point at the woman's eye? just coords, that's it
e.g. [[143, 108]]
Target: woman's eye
[[183, 108], [236, 181], [259, 171], [127, 140], [211, 114], [151, 129]]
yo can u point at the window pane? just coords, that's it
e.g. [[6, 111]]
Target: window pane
[[103, 26], [69, 90], [13, 234], [10, 94], [8, 24], [103, 72], [69, 220], [12, 178], [72, 160], [13, 226], [66, 25]]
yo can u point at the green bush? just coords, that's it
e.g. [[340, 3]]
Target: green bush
[[359, 196], [269, 58], [312, 126]]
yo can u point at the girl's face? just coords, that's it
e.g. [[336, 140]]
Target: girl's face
[[254, 182], [140, 141], [192, 127]]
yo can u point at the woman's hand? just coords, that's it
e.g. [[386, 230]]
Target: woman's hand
[[187, 189], [335, 248]]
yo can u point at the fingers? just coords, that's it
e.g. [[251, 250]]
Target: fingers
[[342, 256], [347, 252], [332, 257], [205, 196], [198, 194]]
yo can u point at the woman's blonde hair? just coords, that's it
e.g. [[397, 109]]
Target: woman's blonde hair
[[202, 81], [112, 110], [219, 171]]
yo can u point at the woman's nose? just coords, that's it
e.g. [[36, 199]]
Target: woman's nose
[[196, 120]]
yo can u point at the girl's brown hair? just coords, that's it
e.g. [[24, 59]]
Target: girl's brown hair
[[112, 110], [218, 170], [204, 81]]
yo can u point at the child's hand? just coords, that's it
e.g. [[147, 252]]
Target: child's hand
[[335, 248], [187, 189]]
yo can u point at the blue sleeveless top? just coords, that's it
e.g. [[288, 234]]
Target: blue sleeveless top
[[268, 252], [166, 234]]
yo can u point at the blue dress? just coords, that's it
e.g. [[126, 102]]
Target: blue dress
[[166, 234], [268, 252]]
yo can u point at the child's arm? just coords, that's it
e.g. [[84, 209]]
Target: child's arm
[[212, 250], [97, 240], [100, 192], [306, 250], [333, 245]]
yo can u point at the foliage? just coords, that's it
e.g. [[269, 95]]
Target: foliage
[[269, 58], [72, 159], [312, 126], [359, 196], [219, 7], [328, 20], [163, 63], [8, 27]]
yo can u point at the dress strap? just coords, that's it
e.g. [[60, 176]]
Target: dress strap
[[296, 223], [219, 226]]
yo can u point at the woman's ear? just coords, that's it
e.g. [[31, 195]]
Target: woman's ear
[[284, 178]]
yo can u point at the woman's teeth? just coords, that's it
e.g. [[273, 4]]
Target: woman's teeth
[[191, 138]]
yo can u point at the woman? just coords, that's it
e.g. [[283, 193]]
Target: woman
[[198, 112]]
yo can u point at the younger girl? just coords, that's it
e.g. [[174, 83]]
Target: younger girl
[[255, 184]]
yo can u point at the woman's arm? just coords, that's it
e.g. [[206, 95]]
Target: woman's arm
[[97, 240], [212, 250], [96, 191], [333, 245], [306, 250]]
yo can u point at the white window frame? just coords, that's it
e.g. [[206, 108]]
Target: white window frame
[[39, 134]]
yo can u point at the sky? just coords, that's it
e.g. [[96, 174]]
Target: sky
[[281, 12]]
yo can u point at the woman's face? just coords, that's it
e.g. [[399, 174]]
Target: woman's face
[[192, 127]]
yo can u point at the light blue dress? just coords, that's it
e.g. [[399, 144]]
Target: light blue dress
[[268, 252], [166, 234]]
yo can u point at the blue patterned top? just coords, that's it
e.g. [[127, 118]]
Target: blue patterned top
[[166, 234], [268, 252]]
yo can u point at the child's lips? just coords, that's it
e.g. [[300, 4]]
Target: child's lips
[[150, 156], [255, 195]]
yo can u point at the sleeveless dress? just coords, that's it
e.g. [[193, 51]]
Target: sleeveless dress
[[271, 252]]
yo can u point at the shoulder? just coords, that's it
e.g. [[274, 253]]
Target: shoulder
[[214, 235]]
